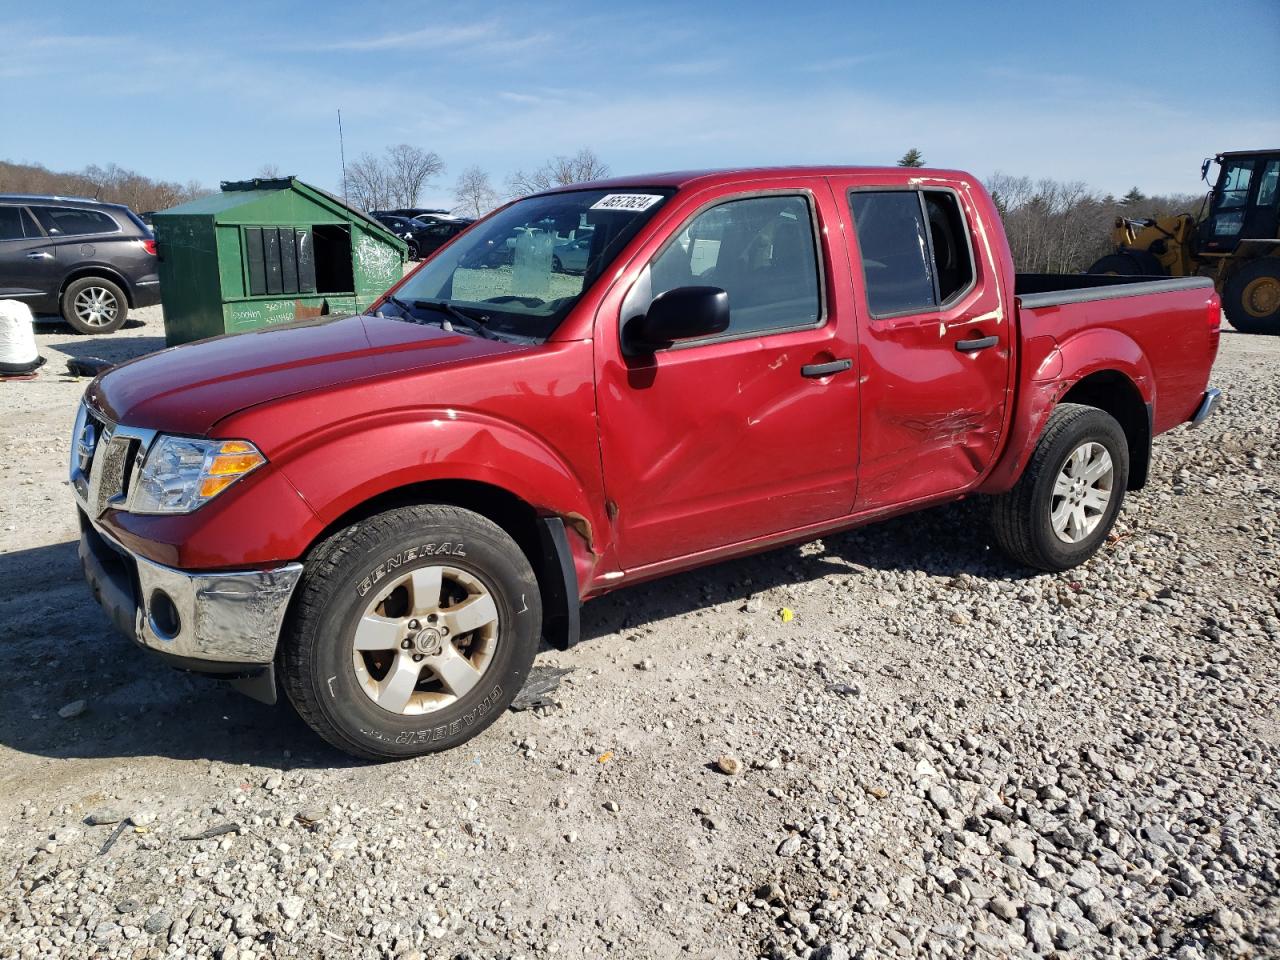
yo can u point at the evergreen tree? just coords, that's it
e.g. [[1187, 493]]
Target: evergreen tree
[[912, 158]]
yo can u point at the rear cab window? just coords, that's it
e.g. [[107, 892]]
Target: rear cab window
[[915, 248]]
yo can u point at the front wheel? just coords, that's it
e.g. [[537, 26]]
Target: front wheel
[[1252, 297], [411, 632], [1063, 506]]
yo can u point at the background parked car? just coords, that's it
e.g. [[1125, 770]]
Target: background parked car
[[571, 256], [87, 260], [423, 237], [410, 212]]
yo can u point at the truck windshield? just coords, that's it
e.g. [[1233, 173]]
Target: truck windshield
[[520, 272]]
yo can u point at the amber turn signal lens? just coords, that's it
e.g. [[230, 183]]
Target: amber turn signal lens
[[215, 485]]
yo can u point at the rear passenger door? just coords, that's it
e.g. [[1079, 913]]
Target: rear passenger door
[[27, 261], [722, 440], [935, 347]]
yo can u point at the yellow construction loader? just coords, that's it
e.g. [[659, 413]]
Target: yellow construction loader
[[1237, 243]]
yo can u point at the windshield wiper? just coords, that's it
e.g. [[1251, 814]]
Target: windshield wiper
[[448, 309]]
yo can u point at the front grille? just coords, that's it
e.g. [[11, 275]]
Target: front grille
[[104, 458]]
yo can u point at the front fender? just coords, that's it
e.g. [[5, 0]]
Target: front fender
[[1088, 352], [352, 462]]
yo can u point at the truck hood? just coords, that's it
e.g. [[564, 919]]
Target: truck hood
[[190, 388]]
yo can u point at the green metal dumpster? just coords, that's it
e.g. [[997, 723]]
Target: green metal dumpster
[[268, 251]]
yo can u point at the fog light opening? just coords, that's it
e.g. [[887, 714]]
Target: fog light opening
[[164, 615]]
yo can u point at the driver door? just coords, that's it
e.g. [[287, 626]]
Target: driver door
[[748, 433]]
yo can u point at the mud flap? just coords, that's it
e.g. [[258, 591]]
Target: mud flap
[[558, 581]]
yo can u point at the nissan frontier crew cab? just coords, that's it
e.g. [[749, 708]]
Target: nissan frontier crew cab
[[383, 514]]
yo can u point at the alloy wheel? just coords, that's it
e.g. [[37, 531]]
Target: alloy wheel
[[1082, 492], [425, 640]]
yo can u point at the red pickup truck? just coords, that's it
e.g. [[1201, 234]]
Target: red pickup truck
[[599, 385]]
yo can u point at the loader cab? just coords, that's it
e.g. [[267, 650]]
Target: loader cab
[[1244, 203]]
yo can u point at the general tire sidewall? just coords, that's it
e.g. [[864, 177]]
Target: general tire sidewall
[[337, 691], [1098, 428]]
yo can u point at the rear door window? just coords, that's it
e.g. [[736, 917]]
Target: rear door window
[[11, 227], [74, 221], [916, 256]]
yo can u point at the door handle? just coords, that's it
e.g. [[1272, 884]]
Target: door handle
[[825, 369], [981, 343], [39, 255]]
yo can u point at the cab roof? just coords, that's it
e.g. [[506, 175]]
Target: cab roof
[[680, 179]]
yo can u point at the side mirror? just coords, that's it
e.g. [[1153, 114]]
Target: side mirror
[[684, 313]]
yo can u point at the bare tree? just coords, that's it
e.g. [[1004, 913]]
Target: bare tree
[[366, 185], [268, 171], [408, 171], [474, 193], [396, 180], [559, 171]]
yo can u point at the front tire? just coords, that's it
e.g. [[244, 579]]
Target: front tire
[[411, 632], [1063, 506], [94, 305], [1252, 297]]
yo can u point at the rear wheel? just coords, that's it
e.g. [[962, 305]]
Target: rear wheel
[[1129, 263], [1065, 503], [1252, 297], [411, 632], [94, 305]]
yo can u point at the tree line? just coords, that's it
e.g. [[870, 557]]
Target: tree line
[[1053, 226], [1058, 226], [397, 178], [111, 184], [1062, 227]]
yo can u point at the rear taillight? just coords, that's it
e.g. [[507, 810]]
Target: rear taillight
[[149, 246], [1214, 316]]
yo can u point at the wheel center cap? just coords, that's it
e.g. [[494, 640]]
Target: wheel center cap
[[427, 641]]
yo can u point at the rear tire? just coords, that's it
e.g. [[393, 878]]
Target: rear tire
[[367, 657], [1058, 514], [94, 305], [1129, 263], [1252, 297]]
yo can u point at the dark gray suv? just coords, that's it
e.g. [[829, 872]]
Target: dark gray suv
[[87, 260]]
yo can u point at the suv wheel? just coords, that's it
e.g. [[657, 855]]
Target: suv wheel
[[410, 632], [94, 305]]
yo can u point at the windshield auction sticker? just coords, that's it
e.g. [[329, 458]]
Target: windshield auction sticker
[[630, 202]]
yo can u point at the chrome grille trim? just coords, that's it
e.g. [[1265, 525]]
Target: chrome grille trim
[[114, 464]]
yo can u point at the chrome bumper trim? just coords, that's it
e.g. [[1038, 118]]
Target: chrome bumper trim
[[1212, 398], [222, 617]]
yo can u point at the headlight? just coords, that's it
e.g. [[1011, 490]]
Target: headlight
[[181, 474]]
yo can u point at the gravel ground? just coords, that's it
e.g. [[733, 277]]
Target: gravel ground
[[937, 755]]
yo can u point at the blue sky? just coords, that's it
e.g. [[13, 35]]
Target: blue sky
[[1111, 94]]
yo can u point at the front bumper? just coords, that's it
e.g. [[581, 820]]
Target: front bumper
[[226, 623]]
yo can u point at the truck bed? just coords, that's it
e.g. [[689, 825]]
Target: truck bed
[[1055, 289]]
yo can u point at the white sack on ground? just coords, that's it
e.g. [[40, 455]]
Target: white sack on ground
[[18, 352]]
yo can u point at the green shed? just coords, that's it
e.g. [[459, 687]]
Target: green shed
[[268, 251]]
